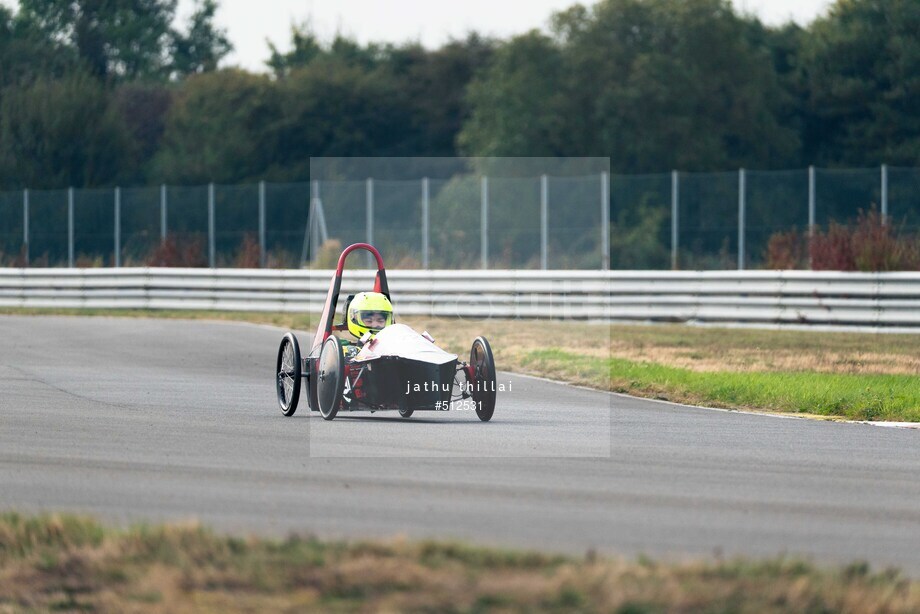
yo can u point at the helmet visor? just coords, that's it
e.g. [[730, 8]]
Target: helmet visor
[[374, 320]]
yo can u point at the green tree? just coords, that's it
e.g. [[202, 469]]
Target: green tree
[[217, 129], [26, 52], [122, 39], [425, 100], [203, 46], [654, 84], [143, 108], [332, 108], [127, 40], [60, 132], [862, 66], [784, 44], [435, 84], [520, 103], [305, 47]]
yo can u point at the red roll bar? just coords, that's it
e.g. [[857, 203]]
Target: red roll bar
[[332, 297], [353, 247]]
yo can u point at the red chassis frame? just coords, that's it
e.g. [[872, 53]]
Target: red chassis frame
[[326, 326]]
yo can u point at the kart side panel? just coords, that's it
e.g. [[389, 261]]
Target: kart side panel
[[400, 383]]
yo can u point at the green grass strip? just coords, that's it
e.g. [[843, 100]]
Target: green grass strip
[[856, 397]]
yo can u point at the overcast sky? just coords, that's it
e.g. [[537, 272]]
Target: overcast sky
[[432, 22]]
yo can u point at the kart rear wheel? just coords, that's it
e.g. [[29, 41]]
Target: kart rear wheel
[[330, 378], [484, 369], [287, 374], [406, 413]]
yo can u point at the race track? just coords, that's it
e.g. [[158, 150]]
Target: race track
[[161, 420]]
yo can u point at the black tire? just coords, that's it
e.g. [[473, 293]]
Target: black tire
[[406, 413], [483, 364], [312, 402], [330, 381], [288, 374]]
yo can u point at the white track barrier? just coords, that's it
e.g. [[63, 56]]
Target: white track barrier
[[738, 297]]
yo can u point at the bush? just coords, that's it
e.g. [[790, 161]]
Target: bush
[[869, 244], [832, 250], [328, 255], [171, 252], [249, 255], [877, 246], [787, 250]]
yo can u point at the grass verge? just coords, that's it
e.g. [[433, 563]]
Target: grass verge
[[856, 397], [859, 376], [74, 564]]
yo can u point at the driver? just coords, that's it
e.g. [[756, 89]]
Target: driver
[[368, 312]]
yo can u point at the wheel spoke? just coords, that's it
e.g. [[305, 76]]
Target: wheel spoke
[[286, 388]]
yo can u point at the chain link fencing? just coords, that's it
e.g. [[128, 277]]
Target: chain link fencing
[[660, 221]]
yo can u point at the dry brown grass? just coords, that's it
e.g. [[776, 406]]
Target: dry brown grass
[[755, 359], [189, 569]]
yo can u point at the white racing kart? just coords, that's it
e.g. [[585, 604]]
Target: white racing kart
[[398, 369]]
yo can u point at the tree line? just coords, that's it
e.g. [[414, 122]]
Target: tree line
[[104, 92]]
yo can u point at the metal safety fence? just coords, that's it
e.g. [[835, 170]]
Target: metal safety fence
[[798, 298], [675, 220]]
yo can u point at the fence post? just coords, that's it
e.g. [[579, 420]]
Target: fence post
[[117, 227], [312, 224], [262, 224], [741, 217], [811, 211], [675, 191], [70, 227], [211, 246], [544, 220], [425, 223], [484, 223], [163, 212], [884, 193], [605, 222], [25, 224]]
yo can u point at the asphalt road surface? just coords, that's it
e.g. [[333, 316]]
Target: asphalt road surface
[[164, 420]]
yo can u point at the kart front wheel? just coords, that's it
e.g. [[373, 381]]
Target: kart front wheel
[[483, 365], [330, 378], [287, 374]]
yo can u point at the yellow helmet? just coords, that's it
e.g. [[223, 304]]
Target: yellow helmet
[[369, 312]]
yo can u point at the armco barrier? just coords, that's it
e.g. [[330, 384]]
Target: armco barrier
[[746, 297]]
